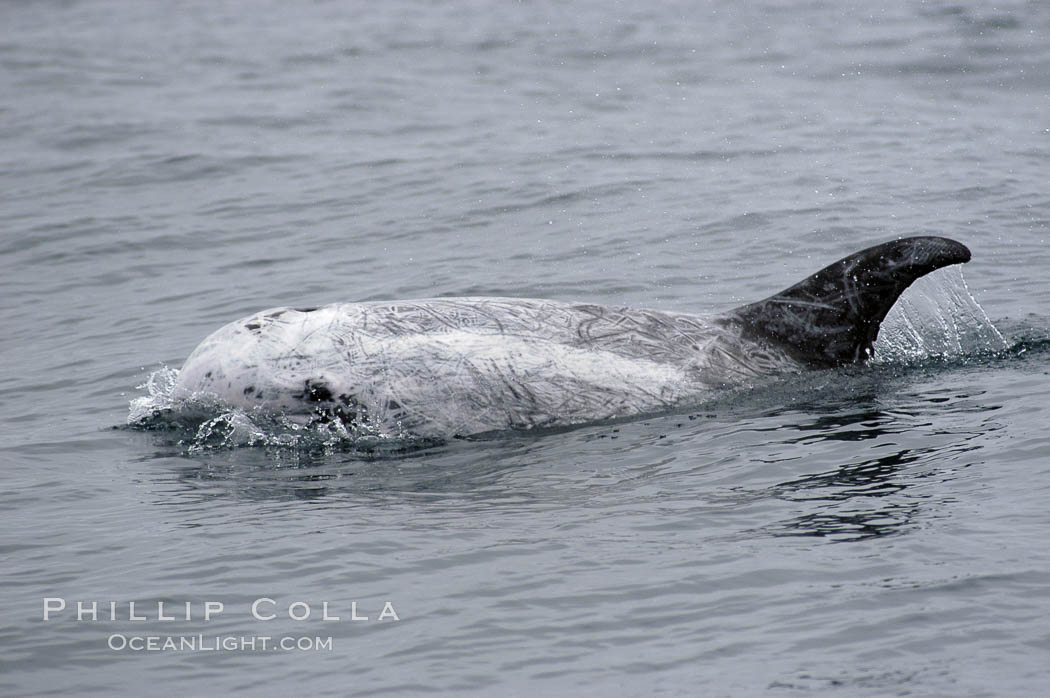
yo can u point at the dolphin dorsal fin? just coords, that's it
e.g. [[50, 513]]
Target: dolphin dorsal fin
[[833, 317]]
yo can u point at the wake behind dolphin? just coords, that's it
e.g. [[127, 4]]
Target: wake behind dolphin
[[446, 367]]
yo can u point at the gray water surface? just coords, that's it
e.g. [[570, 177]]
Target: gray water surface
[[170, 167]]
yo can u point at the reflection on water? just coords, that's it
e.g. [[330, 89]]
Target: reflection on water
[[855, 526], [834, 427], [870, 478], [842, 510], [872, 496], [462, 470]]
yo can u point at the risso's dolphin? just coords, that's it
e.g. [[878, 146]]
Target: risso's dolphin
[[447, 367]]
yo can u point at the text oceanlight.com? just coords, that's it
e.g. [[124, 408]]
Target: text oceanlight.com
[[119, 642]]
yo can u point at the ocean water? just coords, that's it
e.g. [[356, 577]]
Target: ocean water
[[170, 167]]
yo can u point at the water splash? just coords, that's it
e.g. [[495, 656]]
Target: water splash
[[937, 317], [160, 387], [204, 424]]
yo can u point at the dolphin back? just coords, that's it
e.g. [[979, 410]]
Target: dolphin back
[[833, 317]]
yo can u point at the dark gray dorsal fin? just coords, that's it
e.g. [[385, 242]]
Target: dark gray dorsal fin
[[833, 317]]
